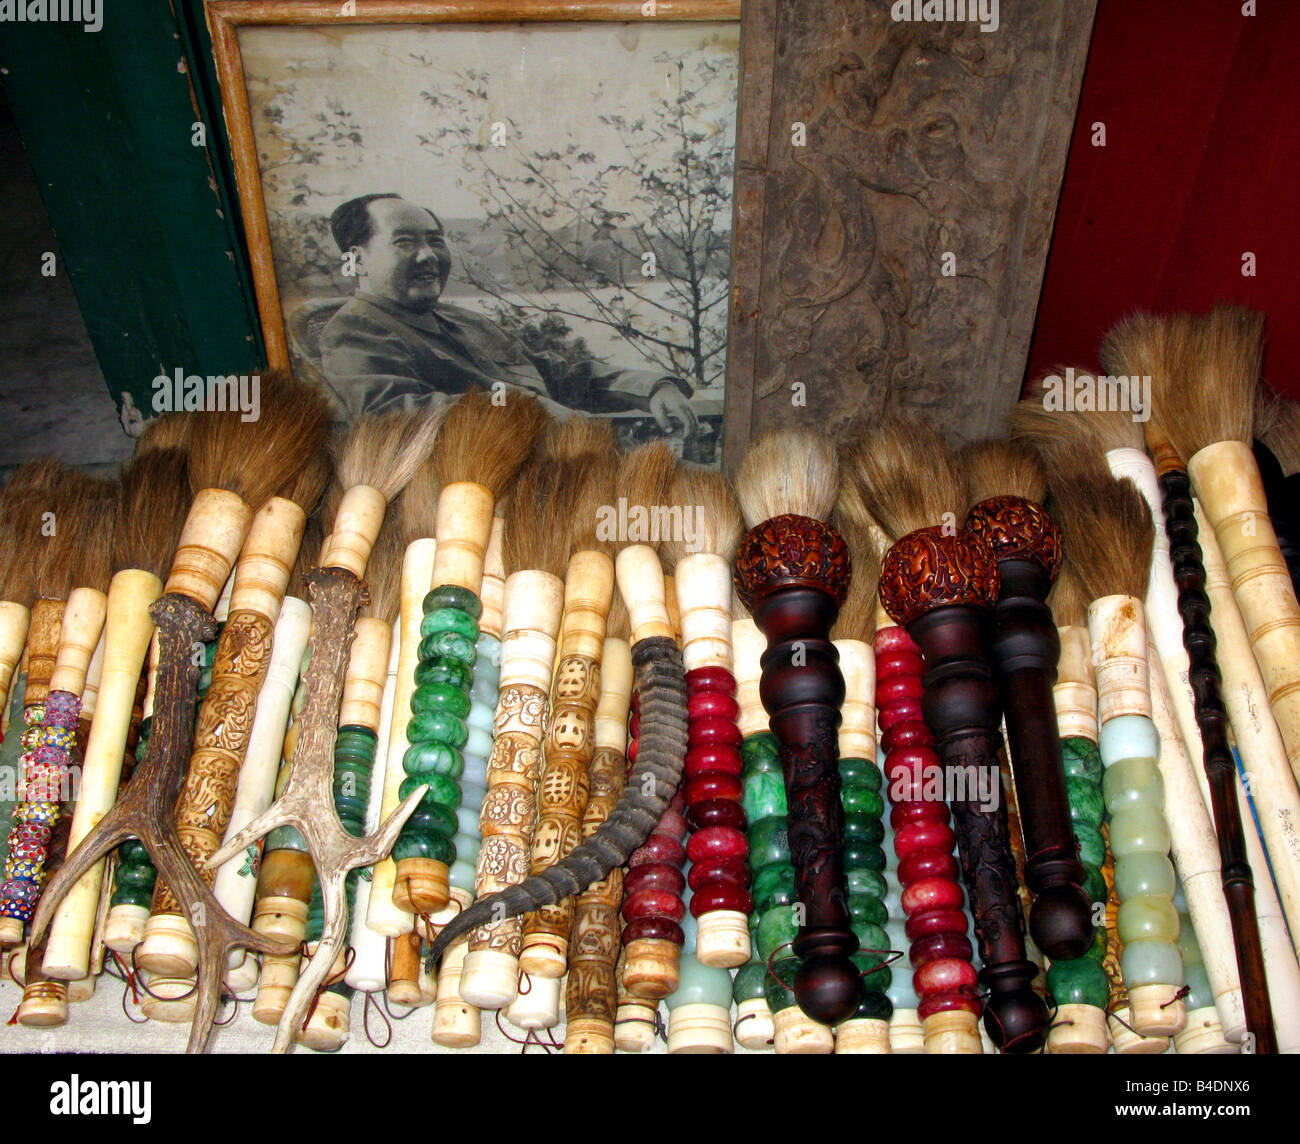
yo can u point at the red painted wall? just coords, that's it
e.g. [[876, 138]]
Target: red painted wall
[[1201, 164]]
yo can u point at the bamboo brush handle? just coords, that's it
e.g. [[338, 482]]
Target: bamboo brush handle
[[1196, 854], [383, 915], [213, 534], [1075, 688], [128, 630], [83, 620], [1227, 481], [42, 648], [1263, 754], [534, 601], [14, 621], [463, 529], [492, 595], [356, 526], [236, 880]]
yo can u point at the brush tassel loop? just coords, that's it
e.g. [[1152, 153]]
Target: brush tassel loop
[[661, 685]]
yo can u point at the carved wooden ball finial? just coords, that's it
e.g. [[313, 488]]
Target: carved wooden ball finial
[[792, 551], [933, 567], [1017, 529]]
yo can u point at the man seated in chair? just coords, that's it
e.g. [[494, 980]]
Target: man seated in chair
[[394, 344]]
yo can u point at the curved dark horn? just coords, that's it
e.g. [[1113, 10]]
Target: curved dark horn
[[661, 684]]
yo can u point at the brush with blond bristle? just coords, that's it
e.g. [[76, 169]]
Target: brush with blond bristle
[[701, 566], [480, 447], [641, 479], [1108, 540], [168, 949], [939, 582], [1206, 412], [153, 499], [588, 592], [539, 518], [1009, 484], [793, 572], [1227, 675]]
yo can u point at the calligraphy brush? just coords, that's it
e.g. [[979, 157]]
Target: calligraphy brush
[[940, 582], [153, 500]]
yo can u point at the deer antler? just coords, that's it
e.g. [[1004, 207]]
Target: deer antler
[[307, 801], [146, 812]]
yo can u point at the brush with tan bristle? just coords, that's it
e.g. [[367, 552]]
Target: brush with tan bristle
[[1008, 486], [539, 516], [574, 693], [1282, 433], [243, 654], [699, 557], [1224, 676], [481, 446], [641, 479], [1108, 539], [67, 513], [1207, 414], [939, 582], [377, 459], [153, 499], [793, 573]]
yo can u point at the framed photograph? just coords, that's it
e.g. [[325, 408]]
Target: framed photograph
[[527, 194]]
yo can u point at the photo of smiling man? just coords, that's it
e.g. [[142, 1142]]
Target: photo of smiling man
[[395, 343]]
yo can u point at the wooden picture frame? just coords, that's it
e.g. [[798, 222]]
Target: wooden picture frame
[[232, 22]]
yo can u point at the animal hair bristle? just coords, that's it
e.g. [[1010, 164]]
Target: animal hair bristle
[[1209, 387], [1106, 527], [788, 471], [417, 514], [23, 502], [384, 575], [385, 450], [595, 491], [711, 502], [906, 475], [484, 442], [306, 487], [1001, 468], [153, 498], [537, 515], [618, 624], [1067, 599], [168, 431], [645, 475], [308, 558], [857, 617], [33, 477], [254, 459], [1283, 436], [95, 559], [72, 502]]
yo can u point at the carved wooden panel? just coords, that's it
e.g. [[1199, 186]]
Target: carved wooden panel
[[895, 190]]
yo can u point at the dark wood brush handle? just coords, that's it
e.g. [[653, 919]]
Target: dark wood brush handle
[[1220, 766], [1024, 648], [940, 585], [793, 572]]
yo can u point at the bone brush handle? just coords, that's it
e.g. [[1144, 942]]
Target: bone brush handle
[[940, 585], [592, 996], [567, 749], [533, 605], [1024, 649], [225, 721], [1263, 754], [236, 880], [1227, 481], [802, 690], [383, 915], [14, 622]]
